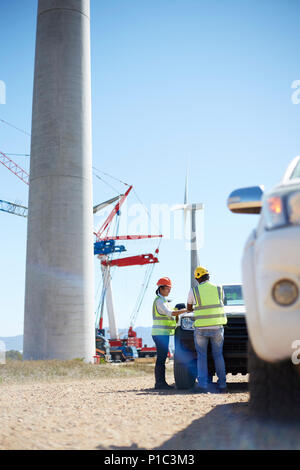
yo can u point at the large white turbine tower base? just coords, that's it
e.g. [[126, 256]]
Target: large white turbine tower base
[[59, 297]]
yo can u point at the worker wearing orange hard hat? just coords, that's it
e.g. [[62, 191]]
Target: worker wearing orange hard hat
[[164, 324]]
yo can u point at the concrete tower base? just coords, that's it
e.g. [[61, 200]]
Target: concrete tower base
[[59, 297]]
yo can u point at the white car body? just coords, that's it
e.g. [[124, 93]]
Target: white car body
[[271, 255], [235, 309]]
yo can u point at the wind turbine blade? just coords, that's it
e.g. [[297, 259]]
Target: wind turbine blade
[[177, 207], [100, 206], [186, 195]]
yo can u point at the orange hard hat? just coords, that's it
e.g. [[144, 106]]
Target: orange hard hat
[[164, 281]]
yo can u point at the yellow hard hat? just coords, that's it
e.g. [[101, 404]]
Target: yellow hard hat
[[199, 272]]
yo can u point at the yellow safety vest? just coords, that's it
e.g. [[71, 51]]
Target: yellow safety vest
[[209, 308], [162, 324]]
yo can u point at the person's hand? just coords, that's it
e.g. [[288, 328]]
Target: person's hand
[[176, 313]]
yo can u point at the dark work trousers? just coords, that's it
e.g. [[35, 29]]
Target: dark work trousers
[[162, 347]]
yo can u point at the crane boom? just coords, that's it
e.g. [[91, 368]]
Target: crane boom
[[14, 168], [131, 237], [115, 210], [12, 208], [131, 260]]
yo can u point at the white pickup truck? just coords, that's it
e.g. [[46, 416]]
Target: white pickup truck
[[235, 341], [271, 286]]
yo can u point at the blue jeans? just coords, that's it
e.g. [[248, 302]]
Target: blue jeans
[[162, 348], [216, 336]]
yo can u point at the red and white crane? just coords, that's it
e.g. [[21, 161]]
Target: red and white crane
[[102, 236]]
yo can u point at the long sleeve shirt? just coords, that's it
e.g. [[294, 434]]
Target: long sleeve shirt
[[163, 307]]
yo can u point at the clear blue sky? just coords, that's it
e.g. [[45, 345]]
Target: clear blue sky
[[208, 82]]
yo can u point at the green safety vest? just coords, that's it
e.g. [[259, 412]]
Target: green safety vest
[[209, 308], [162, 324]]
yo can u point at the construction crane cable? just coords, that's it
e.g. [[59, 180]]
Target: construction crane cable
[[101, 302], [97, 292], [143, 291], [139, 299], [17, 128], [108, 184], [18, 154], [110, 176], [146, 210], [97, 319]]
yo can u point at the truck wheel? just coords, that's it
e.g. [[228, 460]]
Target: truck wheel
[[184, 377], [274, 387]]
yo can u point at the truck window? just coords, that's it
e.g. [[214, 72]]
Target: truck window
[[233, 295], [296, 172]]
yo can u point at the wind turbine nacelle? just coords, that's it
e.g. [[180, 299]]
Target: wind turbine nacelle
[[188, 207]]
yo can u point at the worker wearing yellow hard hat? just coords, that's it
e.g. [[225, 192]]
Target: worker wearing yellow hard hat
[[206, 301], [164, 324]]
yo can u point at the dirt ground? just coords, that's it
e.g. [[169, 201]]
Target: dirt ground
[[126, 413]]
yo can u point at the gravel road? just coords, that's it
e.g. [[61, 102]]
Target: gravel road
[[126, 413]]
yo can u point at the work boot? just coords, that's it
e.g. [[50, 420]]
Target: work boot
[[164, 386], [160, 378], [198, 389]]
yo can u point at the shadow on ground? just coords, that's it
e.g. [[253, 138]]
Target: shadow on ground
[[231, 427], [134, 446], [235, 387]]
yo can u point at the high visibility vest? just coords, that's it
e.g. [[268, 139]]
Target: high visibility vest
[[162, 324], [209, 308]]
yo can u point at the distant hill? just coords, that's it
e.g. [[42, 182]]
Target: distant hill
[[16, 342], [13, 342]]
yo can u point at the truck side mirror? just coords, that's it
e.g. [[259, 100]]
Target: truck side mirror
[[246, 200]]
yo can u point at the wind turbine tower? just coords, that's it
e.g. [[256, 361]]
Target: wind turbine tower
[[190, 213], [59, 292]]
